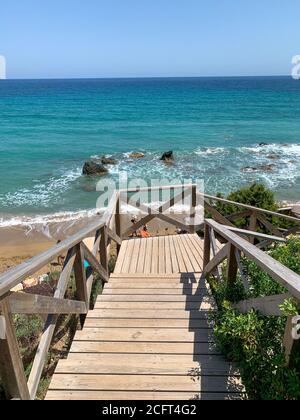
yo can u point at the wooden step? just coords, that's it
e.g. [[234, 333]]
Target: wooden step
[[138, 364], [188, 324], [143, 348], [149, 313], [166, 383], [145, 334], [141, 395]]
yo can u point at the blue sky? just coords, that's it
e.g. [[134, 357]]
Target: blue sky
[[140, 38]]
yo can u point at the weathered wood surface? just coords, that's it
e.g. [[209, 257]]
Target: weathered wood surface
[[150, 334], [161, 255]]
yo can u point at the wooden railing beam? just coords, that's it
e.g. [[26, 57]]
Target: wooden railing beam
[[11, 365]]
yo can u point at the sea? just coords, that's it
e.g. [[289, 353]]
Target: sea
[[228, 132]]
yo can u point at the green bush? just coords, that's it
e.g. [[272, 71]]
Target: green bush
[[254, 341], [257, 195]]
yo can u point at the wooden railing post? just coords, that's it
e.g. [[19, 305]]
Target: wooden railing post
[[118, 221], [288, 339], [103, 249], [232, 266], [11, 365], [80, 279], [253, 225], [206, 251], [193, 208]]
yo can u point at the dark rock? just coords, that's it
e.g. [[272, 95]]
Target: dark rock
[[249, 169], [93, 168], [167, 156], [108, 161], [137, 155], [263, 144], [266, 168], [273, 156]]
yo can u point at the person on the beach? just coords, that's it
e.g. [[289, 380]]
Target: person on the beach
[[134, 220], [144, 232]]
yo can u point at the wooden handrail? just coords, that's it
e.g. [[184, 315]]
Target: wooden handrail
[[283, 275], [106, 229], [268, 305], [252, 208]]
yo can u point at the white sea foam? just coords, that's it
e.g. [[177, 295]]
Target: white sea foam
[[202, 151], [47, 219], [41, 194]]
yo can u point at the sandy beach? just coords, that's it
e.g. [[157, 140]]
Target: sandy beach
[[19, 243]]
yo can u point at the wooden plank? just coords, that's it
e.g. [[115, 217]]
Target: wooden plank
[[190, 252], [137, 364], [175, 267], [218, 259], [121, 257], [135, 255], [149, 285], [190, 324], [161, 255], [239, 215], [168, 291], [153, 298], [145, 335], [113, 236], [283, 275], [203, 304], [269, 225], [150, 313], [148, 255], [11, 366], [168, 255], [256, 234], [143, 348], [145, 383], [25, 303], [139, 395], [241, 268], [216, 214], [288, 339], [90, 257], [268, 305], [196, 246], [206, 248], [180, 259], [80, 277], [232, 266], [253, 225], [46, 338], [103, 251], [155, 251], [188, 264], [252, 208], [142, 256], [127, 258]]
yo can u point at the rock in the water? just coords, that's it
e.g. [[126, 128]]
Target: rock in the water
[[137, 155], [92, 168], [267, 168], [108, 161], [263, 144], [273, 156], [168, 156], [249, 169]]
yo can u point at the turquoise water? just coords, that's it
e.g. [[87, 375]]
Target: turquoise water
[[214, 126]]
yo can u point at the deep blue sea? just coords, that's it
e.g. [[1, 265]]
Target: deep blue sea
[[48, 128]]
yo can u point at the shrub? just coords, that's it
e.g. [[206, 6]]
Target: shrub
[[254, 341], [257, 195]]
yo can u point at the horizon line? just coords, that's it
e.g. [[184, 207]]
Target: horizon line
[[144, 77]]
